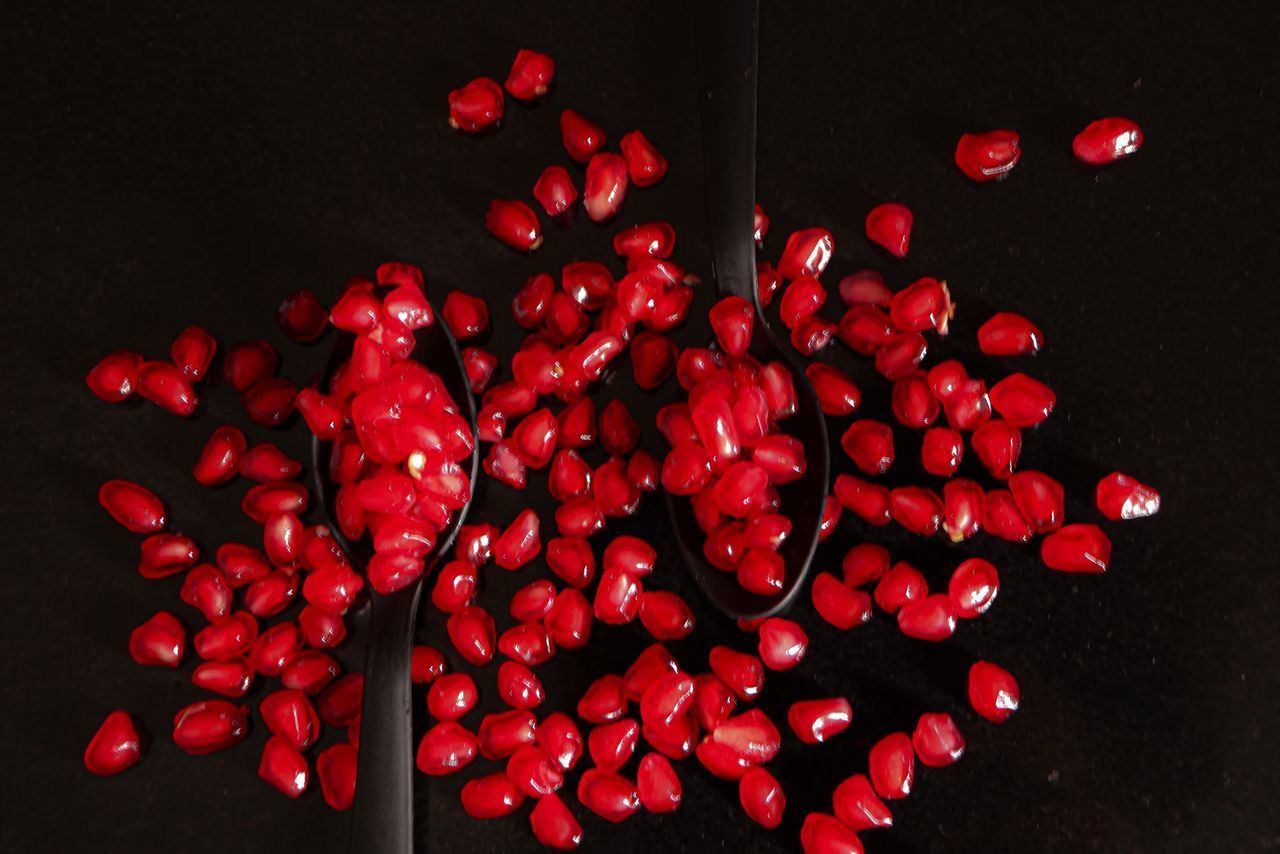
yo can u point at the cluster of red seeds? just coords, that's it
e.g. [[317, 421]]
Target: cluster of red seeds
[[398, 440]]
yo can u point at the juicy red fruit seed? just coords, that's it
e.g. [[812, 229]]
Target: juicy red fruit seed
[[446, 748], [973, 587], [210, 725], [514, 223], [923, 305], [937, 740], [732, 319], [988, 156], [531, 75], [869, 443], [762, 798], [165, 386], [1009, 334], [783, 643], [891, 766], [900, 586], [1077, 548], [582, 138], [1039, 499], [941, 450], [815, 721], [605, 186], [553, 825], [135, 507], [249, 363], [889, 225], [301, 316], [115, 378], [838, 604], [476, 107], [824, 834], [160, 641], [1022, 401], [1120, 496], [608, 795], [865, 287], [645, 164], [657, 785], [993, 692], [807, 253], [192, 351], [856, 805], [555, 191], [932, 618], [1107, 140], [491, 797], [115, 747], [837, 393]]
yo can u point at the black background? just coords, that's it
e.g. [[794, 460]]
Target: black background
[[170, 163]]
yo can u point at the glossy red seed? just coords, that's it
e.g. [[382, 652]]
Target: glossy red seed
[[865, 563], [519, 543], [993, 692], [864, 329], [869, 501], [115, 747], [823, 834], [446, 748], [556, 193], [645, 164], [558, 737], [608, 795], [917, 509], [336, 771], [838, 604], [248, 363], [611, 745], [869, 443], [741, 672], [762, 798], [284, 767], [451, 696], [571, 559], [1023, 401], [963, 501], [290, 715], [657, 785], [891, 766], [732, 320], [582, 138], [163, 555], [160, 641], [528, 643], [865, 287], [207, 726], [533, 773], [605, 186], [686, 469], [1107, 140], [968, 406], [913, 403], [987, 156], [750, 735], [713, 701], [503, 733], [643, 471], [761, 572], [569, 620], [653, 359], [653, 239], [812, 334], [206, 589], [1009, 334], [531, 75], [310, 672], [1039, 499], [491, 797], [783, 643], [192, 351], [472, 632], [998, 444], [518, 686], [166, 386], [889, 225], [899, 354], [275, 648], [760, 224], [837, 393], [923, 305], [135, 507], [806, 253], [1120, 496], [476, 107], [115, 378], [652, 663], [603, 701], [856, 804], [973, 587], [553, 825], [228, 639], [1077, 548], [768, 280], [900, 586], [617, 598], [514, 223], [802, 298], [815, 721], [937, 740], [268, 596], [932, 618], [269, 403], [301, 316], [426, 665]]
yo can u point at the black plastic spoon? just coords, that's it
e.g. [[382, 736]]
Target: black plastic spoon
[[382, 822], [725, 32]]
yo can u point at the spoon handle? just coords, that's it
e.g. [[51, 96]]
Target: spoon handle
[[726, 39], [383, 818]]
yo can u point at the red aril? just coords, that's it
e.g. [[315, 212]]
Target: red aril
[[932, 618], [900, 586], [815, 721], [823, 834], [553, 825], [869, 443], [837, 393], [166, 386], [889, 225], [446, 748], [581, 137], [531, 75], [987, 156], [192, 351], [115, 747], [1120, 496], [514, 223], [115, 378], [856, 804], [1022, 401], [937, 740], [476, 107], [1077, 548], [838, 604], [806, 253], [135, 507], [762, 798], [892, 766], [160, 641], [605, 186], [248, 363], [608, 795], [1106, 141], [207, 726], [491, 797], [993, 692], [645, 164]]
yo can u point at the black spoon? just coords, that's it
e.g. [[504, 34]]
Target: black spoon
[[382, 822], [725, 32]]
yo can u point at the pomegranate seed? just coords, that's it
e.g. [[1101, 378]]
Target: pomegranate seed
[[941, 451], [248, 363], [206, 589], [713, 701], [741, 672], [892, 766], [608, 795], [619, 432], [837, 393], [605, 186], [533, 773], [865, 287], [569, 620], [1039, 499], [732, 319], [531, 75], [657, 785], [581, 137], [869, 444], [917, 509], [725, 547], [310, 672], [558, 737], [503, 733], [686, 469], [1077, 548], [937, 740], [445, 748], [617, 597], [466, 316], [760, 224], [532, 601], [823, 834], [115, 747], [266, 462], [1106, 141], [451, 696], [812, 334], [841, 606], [519, 543], [275, 648], [924, 304], [577, 425], [899, 354], [762, 798], [1002, 518], [783, 643], [913, 403], [1023, 401], [807, 253], [518, 687], [932, 618], [741, 489], [761, 572], [815, 721], [556, 193], [160, 641], [612, 744], [963, 501], [284, 767], [604, 700], [865, 563], [993, 692], [869, 501], [1008, 334], [491, 797], [653, 359], [427, 665], [528, 643], [135, 507], [476, 107], [571, 559], [270, 402], [945, 379], [553, 825], [514, 223], [192, 351], [865, 329], [802, 298], [391, 571], [290, 716], [856, 804], [998, 444], [645, 164], [165, 386], [358, 310], [722, 761], [209, 725], [301, 316], [332, 590], [589, 283], [336, 771], [479, 365], [973, 587], [666, 700], [750, 735], [1120, 496], [768, 280], [988, 156], [241, 565], [654, 662], [115, 378], [643, 471], [900, 586], [651, 239], [163, 555], [472, 632], [890, 226]]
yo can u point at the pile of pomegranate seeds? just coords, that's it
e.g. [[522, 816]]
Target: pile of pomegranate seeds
[[398, 442]]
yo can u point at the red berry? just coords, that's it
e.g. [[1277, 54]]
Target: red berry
[[608, 795], [840, 605], [837, 393], [869, 501], [531, 75], [1039, 499], [301, 316], [472, 632], [941, 451], [865, 563], [605, 186], [741, 672], [553, 825], [900, 586], [807, 253], [856, 804], [336, 770], [891, 766], [762, 798], [1107, 140], [491, 797], [115, 747], [209, 725], [865, 287], [783, 643], [1023, 401], [611, 745], [514, 223], [115, 378], [475, 107], [1119, 496], [993, 692], [533, 773], [581, 137], [923, 305], [248, 363], [932, 618], [284, 767], [917, 509], [815, 721], [645, 164], [998, 444], [889, 225], [1077, 548], [869, 443], [973, 587], [988, 156], [824, 834], [1009, 334], [193, 349], [445, 748], [135, 507], [937, 740]]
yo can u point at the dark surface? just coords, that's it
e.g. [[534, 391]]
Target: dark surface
[[174, 163]]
